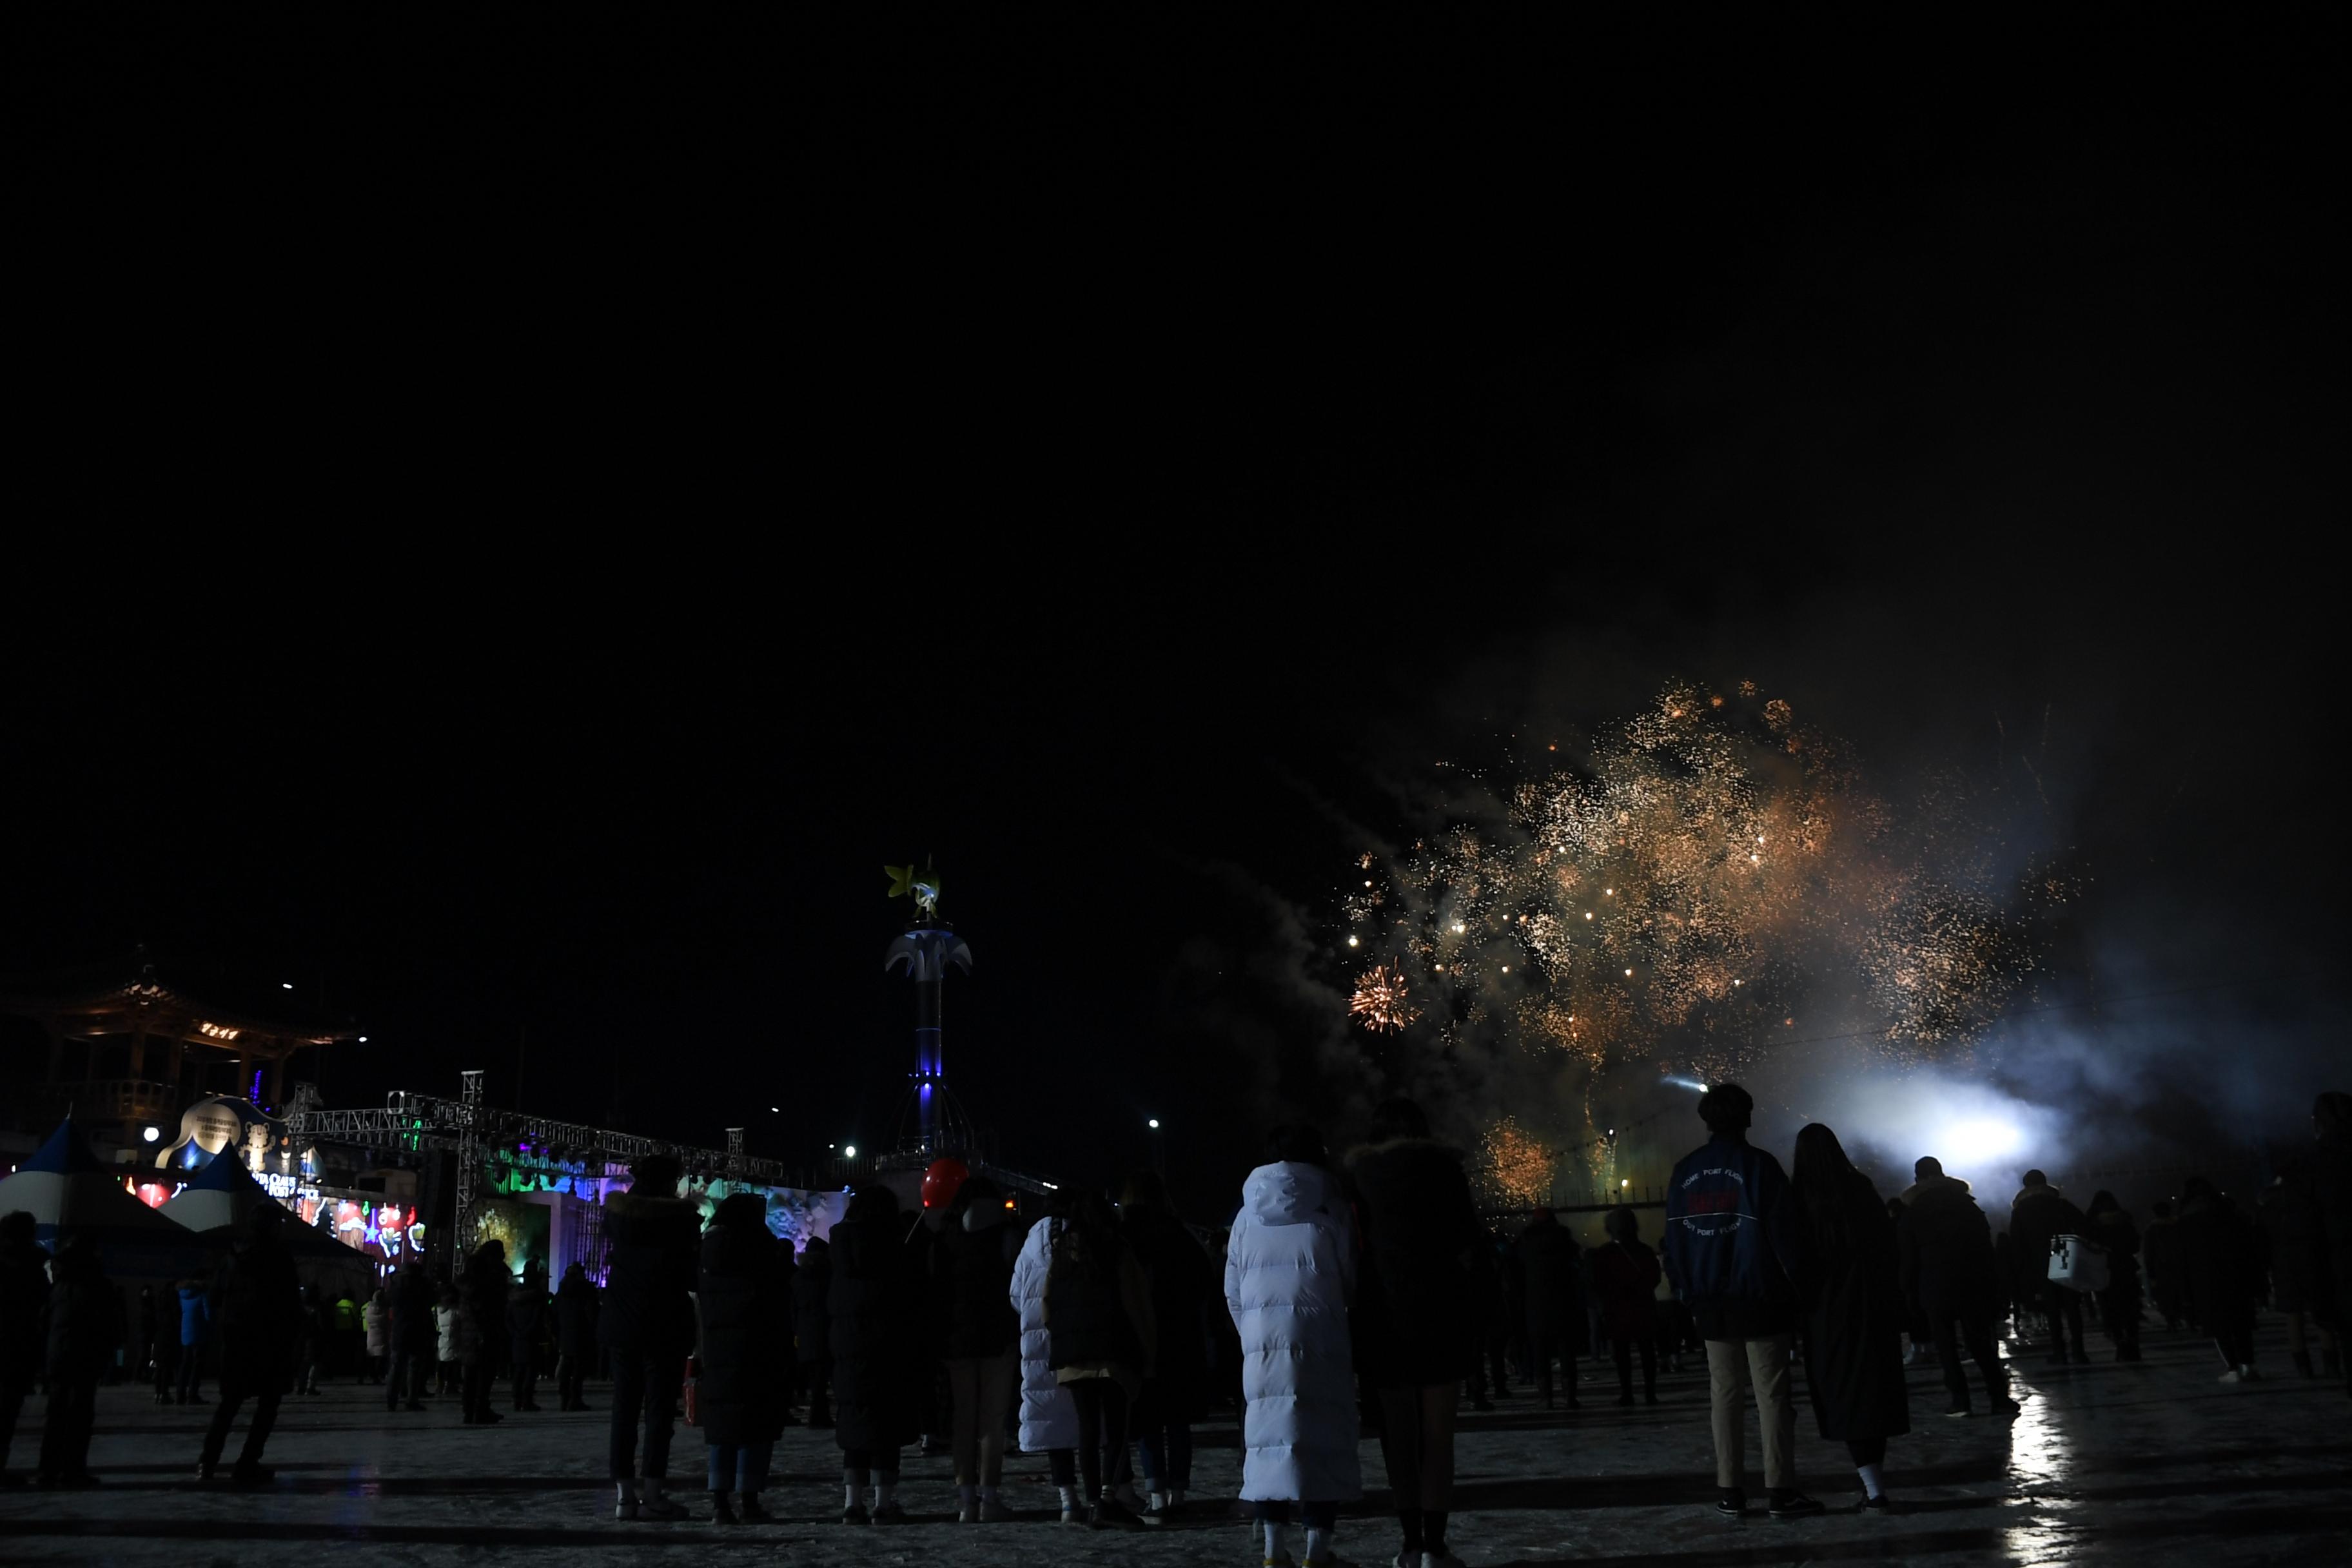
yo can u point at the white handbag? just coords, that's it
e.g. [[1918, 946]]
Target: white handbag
[[2077, 1264]]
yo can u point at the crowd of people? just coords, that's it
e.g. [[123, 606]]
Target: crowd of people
[[1347, 1295]]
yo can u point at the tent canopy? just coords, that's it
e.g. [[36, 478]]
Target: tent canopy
[[221, 1194], [69, 1194]]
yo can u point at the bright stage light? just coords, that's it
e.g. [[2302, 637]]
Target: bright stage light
[[850, 1151], [1155, 1124], [1969, 1145], [150, 1133]]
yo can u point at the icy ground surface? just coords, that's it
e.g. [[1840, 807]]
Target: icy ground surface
[[2155, 1464]]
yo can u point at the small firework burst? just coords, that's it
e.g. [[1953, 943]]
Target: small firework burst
[[1382, 1001], [1515, 1167]]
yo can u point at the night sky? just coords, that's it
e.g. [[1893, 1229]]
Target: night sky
[[572, 509]]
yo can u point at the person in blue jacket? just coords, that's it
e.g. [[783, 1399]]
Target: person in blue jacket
[[1730, 1250]]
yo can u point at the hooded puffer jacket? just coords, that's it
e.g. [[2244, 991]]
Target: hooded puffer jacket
[[1049, 1415], [1290, 1270]]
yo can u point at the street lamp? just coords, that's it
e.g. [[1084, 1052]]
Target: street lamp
[[850, 1151], [150, 1133], [1155, 1124]]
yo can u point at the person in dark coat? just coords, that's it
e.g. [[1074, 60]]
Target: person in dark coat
[[972, 1279], [1852, 1281], [1731, 1252], [309, 1337], [2113, 1231], [526, 1325], [2160, 1252], [744, 1394], [2289, 1215], [1626, 1277], [2331, 1195], [1489, 1325], [873, 1311], [1183, 1285], [575, 1336], [812, 1329], [647, 1323], [1952, 1278], [195, 1331], [84, 1329], [2038, 1215], [1411, 1319], [1552, 1267], [2221, 1265], [482, 1327], [257, 1305], [24, 1323], [413, 1340], [1100, 1337]]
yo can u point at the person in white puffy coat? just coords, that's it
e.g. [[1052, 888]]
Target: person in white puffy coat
[[1289, 1275], [1049, 1414]]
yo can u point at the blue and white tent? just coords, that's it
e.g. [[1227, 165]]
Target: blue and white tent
[[67, 1192]]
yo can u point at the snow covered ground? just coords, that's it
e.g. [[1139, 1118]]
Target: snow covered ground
[[2156, 1463]]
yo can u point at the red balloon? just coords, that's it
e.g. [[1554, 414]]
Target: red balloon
[[942, 1182]]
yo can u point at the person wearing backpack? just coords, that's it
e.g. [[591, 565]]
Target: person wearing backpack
[[258, 1305]]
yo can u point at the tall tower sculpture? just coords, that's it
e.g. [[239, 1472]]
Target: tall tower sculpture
[[927, 948]]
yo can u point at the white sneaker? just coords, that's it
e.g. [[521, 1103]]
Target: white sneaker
[[2234, 1375]]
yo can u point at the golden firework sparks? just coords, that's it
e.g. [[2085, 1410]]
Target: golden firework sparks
[[1382, 1001]]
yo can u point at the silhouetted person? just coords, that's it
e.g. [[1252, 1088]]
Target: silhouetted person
[[1953, 1277], [1551, 1266], [744, 1394], [195, 1331], [1489, 1324], [1100, 1323], [575, 1336], [1412, 1320], [482, 1328], [1625, 1276], [647, 1325], [310, 1338], [257, 1304], [413, 1337], [1851, 1282], [1183, 1292], [1730, 1251], [2113, 1231], [526, 1326], [1049, 1414], [812, 1329], [972, 1268], [881, 1385], [2221, 1262], [2038, 1216], [85, 1327], [2160, 1249], [23, 1322], [2331, 1194]]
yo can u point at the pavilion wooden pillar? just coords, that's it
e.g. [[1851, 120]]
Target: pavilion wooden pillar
[[277, 1074]]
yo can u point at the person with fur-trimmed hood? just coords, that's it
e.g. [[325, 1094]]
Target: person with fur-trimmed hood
[[1951, 1276], [646, 1324], [2038, 1215], [1412, 1317]]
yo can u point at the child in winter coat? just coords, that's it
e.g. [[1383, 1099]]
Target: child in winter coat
[[1290, 1268]]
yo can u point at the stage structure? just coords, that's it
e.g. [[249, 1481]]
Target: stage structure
[[505, 1160]]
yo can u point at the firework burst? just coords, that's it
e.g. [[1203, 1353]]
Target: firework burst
[[1707, 884], [1383, 1001]]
